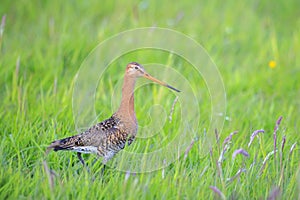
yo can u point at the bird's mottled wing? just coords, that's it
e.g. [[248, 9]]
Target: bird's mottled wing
[[93, 137]]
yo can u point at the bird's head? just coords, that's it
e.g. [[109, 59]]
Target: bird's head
[[136, 70]]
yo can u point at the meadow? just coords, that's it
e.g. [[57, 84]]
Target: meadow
[[255, 45]]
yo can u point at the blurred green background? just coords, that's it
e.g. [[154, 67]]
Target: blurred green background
[[255, 45]]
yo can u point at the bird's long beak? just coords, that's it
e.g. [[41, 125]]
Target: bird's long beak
[[148, 76]]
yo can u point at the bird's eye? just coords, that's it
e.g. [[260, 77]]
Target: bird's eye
[[136, 67]]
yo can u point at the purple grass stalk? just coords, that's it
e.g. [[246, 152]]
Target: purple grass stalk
[[283, 143], [221, 158], [252, 164], [237, 175], [292, 148], [281, 159], [211, 152], [274, 194], [229, 138], [289, 156], [279, 121], [17, 68], [2, 25], [220, 171], [3, 20], [55, 86], [225, 146], [217, 136], [275, 138], [265, 161], [217, 191], [218, 140], [172, 109], [281, 152], [50, 174], [254, 134], [240, 151], [188, 149]]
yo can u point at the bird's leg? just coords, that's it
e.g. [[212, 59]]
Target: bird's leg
[[82, 161], [104, 161], [80, 158], [103, 169]]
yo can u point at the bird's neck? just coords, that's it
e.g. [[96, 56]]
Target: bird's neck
[[126, 109]]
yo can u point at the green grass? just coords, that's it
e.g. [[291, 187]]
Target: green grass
[[44, 44]]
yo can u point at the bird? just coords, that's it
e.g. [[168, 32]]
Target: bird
[[108, 137]]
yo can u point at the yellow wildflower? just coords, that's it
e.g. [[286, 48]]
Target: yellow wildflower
[[272, 64]]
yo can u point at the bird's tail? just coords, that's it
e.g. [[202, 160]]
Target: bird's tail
[[64, 144]]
